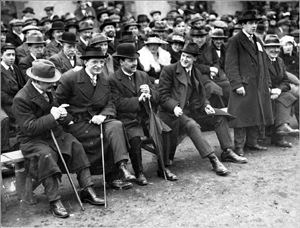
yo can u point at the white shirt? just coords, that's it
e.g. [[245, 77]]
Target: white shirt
[[21, 36], [93, 78], [40, 91], [84, 41], [5, 65]]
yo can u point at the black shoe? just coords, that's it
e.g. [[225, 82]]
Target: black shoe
[[229, 156], [127, 176], [141, 179], [120, 184], [89, 195], [239, 151], [218, 167], [58, 209], [283, 143], [169, 175], [285, 129], [256, 147]]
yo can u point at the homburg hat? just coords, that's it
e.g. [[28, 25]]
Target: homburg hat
[[126, 50], [272, 40], [93, 52], [218, 34], [191, 48], [69, 38], [249, 15], [35, 39]]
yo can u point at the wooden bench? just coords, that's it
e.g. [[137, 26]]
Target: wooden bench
[[25, 185]]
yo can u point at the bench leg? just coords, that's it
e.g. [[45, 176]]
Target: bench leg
[[24, 185]]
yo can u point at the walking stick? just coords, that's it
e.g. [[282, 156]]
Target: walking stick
[[67, 170], [103, 165]]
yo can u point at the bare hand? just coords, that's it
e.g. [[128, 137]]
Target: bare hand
[[98, 119], [178, 111], [145, 88], [241, 91], [55, 112]]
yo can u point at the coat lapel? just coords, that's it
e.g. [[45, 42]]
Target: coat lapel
[[7, 74], [65, 60], [84, 84], [181, 77], [125, 80], [247, 45], [38, 98], [100, 90]]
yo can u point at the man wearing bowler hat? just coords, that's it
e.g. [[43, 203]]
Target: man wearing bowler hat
[[37, 113], [67, 58], [55, 46], [246, 69], [108, 27], [184, 108], [91, 104], [132, 90]]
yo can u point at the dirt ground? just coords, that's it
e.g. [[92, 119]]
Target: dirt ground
[[263, 193]]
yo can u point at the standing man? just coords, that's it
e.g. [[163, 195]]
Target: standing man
[[246, 69], [91, 104], [37, 113], [131, 90], [184, 107]]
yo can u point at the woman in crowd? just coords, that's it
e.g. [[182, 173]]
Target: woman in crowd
[[176, 43]]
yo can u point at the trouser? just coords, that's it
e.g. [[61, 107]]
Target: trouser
[[282, 114], [135, 154], [5, 146], [245, 135], [51, 184]]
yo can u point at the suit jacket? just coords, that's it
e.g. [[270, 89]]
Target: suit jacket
[[62, 63], [24, 64], [13, 39], [81, 47], [10, 87], [52, 48], [129, 110], [246, 65]]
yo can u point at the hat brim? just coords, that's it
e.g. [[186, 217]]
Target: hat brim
[[136, 56], [106, 24], [84, 57], [68, 42], [220, 37], [272, 45], [100, 41], [190, 52], [36, 42], [249, 19], [159, 43], [56, 77]]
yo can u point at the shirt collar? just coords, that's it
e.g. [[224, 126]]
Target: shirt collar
[[127, 73], [33, 56], [189, 69], [5, 65], [40, 91], [84, 41], [247, 34], [21, 35]]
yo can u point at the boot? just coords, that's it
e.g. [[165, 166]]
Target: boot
[[89, 195], [58, 209], [229, 156], [125, 173], [141, 179], [218, 167]]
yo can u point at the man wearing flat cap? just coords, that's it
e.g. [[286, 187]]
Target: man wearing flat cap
[[85, 32], [38, 114], [184, 108], [50, 14], [246, 69], [91, 104], [16, 37], [67, 58]]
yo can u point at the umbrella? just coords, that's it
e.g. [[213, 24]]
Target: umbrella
[[156, 130]]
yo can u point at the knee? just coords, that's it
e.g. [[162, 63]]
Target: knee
[[116, 124]]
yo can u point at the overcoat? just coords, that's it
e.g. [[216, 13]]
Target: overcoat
[[14, 39], [52, 48], [129, 110], [81, 47], [32, 113], [62, 63], [246, 65], [24, 64]]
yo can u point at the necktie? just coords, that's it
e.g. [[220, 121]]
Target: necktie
[[251, 39], [46, 97], [13, 73], [94, 80]]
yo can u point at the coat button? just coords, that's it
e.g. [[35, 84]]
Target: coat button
[[91, 143], [86, 131]]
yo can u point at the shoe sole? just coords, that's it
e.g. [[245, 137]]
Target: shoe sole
[[222, 173], [141, 183], [88, 201], [234, 161], [58, 216]]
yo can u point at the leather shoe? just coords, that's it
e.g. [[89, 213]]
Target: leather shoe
[[58, 209], [169, 175], [283, 143], [120, 184], [141, 179], [256, 147], [285, 129], [127, 176], [218, 167], [239, 151], [229, 156], [89, 195]]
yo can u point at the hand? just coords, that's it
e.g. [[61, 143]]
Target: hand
[[241, 91], [274, 96], [214, 70], [178, 111], [212, 75], [63, 111], [156, 82], [97, 119], [209, 110], [145, 88], [276, 91], [144, 96], [55, 112]]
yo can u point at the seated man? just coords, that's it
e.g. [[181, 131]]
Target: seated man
[[91, 104], [183, 106], [37, 113], [131, 90], [283, 100]]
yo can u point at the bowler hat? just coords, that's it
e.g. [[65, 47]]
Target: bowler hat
[[85, 26], [127, 36], [249, 15], [126, 50], [69, 38], [142, 18], [272, 40], [43, 70], [198, 31], [28, 10], [29, 27], [154, 12], [98, 38], [107, 22], [191, 48], [102, 11], [93, 52], [35, 39], [57, 25], [48, 8], [7, 46], [128, 24], [71, 24], [218, 33]]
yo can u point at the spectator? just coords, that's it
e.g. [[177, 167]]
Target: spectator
[[16, 37], [85, 35], [56, 31], [108, 28]]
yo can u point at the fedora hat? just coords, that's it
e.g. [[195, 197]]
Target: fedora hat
[[93, 52], [191, 48], [126, 50], [35, 39], [107, 22], [220, 24], [198, 31], [160, 26], [272, 40], [85, 26], [30, 27], [249, 15], [69, 38], [28, 10], [218, 33], [127, 36], [98, 38], [195, 19], [142, 18], [57, 25], [154, 40], [128, 24], [43, 70]]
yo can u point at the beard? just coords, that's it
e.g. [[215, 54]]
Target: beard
[[111, 34]]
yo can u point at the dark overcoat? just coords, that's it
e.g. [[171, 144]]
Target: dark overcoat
[[62, 63], [246, 65], [52, 48], [81, 47], [24, 64], [13, 39], [129, 110], [32, 113]]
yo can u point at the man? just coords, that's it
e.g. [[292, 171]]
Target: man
[[282, 100], [56, 31], [135, 29], [36, 45], [4, 32], [108, 28], [37, 113], [28, 12], [198, 21], [132, 91], [50, 13], [184, 108], [16, 37], [91, 104], [156, 16], [85, 34], [67, 58], [246, 69]]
